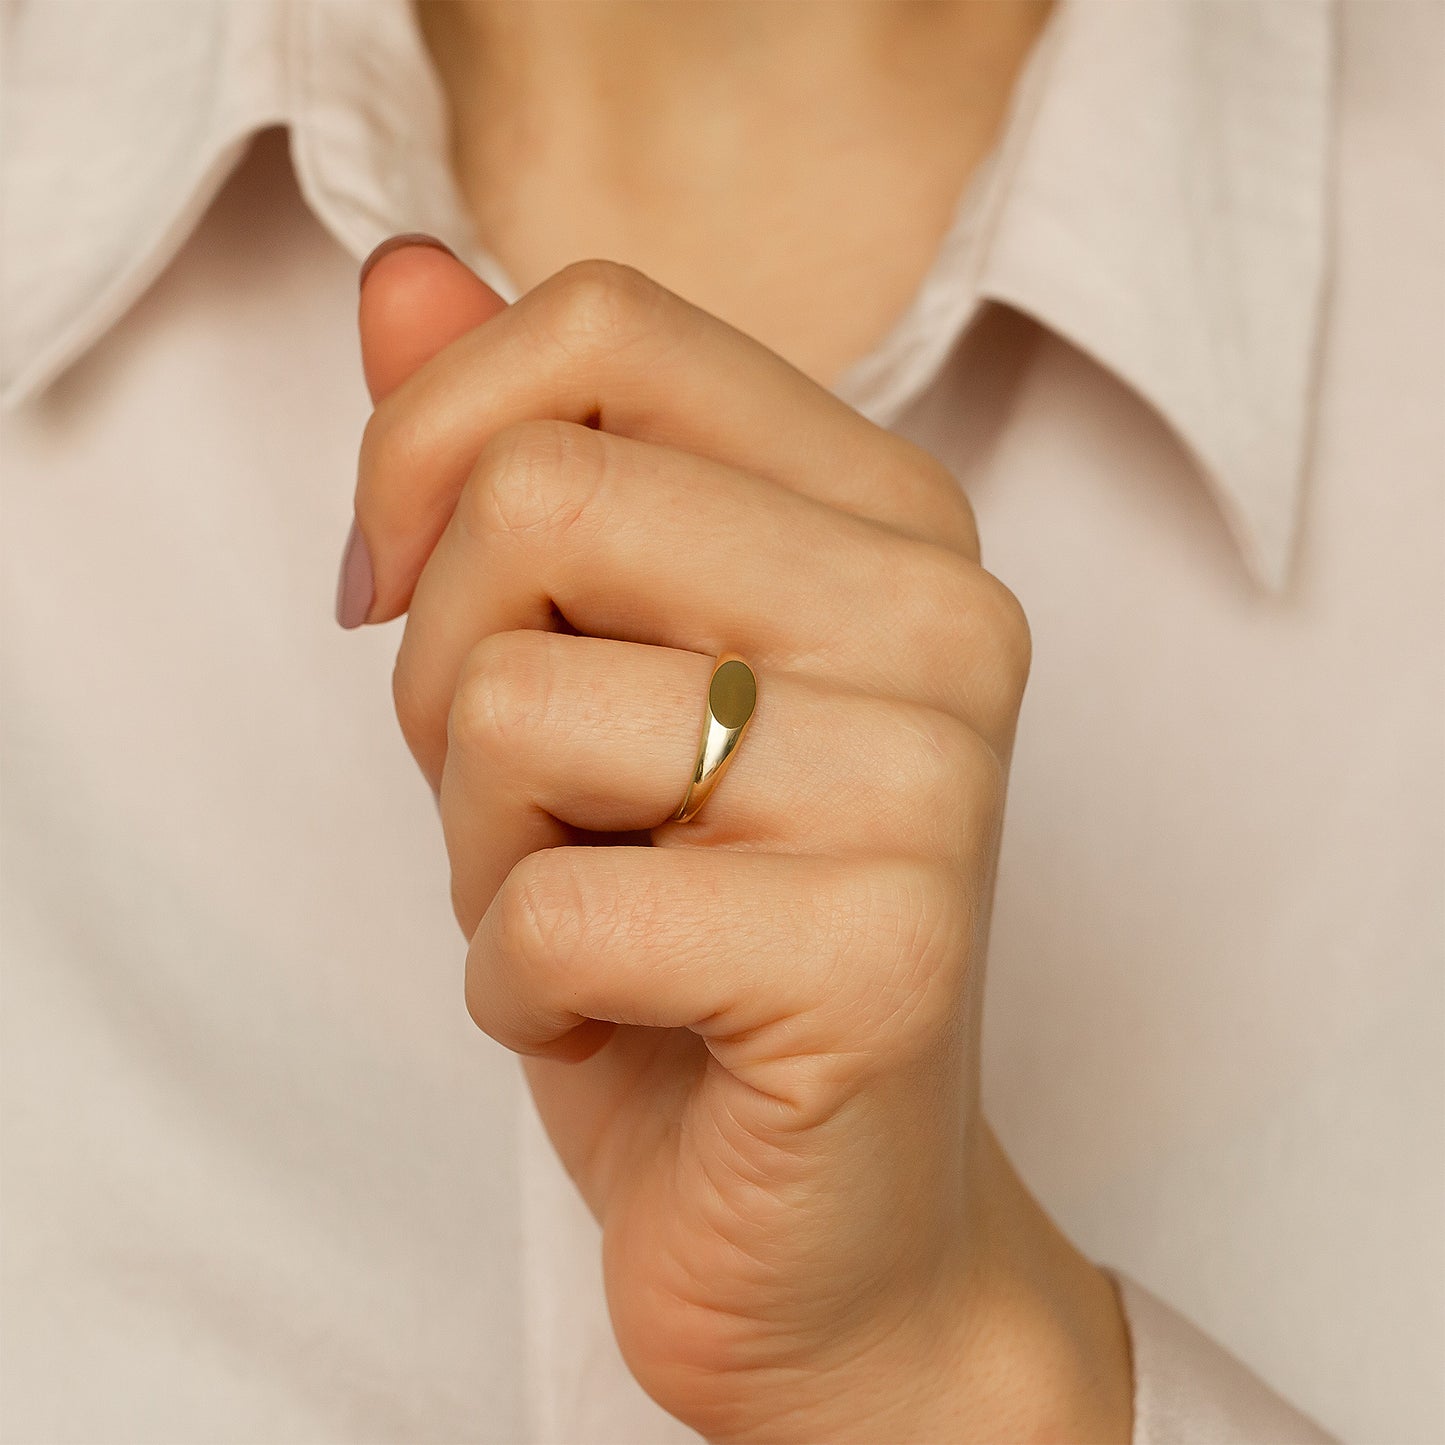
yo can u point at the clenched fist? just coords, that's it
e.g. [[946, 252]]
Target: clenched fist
[[752, 1036]]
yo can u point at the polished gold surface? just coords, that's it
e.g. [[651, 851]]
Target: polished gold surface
[[732, 695]]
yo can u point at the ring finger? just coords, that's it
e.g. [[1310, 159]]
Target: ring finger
[[551, 732]]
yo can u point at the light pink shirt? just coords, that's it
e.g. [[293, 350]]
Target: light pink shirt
[[264, 1181]]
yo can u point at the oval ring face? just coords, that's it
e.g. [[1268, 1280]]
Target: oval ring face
[[733, 694]]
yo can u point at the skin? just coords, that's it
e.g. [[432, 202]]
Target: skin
[[753, 1037], [789, 167]]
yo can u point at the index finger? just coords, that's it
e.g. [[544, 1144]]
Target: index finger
[[603, 344]]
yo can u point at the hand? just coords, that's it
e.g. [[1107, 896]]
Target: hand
[[753, 1037]]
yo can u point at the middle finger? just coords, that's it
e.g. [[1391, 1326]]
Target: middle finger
[[561, 527]]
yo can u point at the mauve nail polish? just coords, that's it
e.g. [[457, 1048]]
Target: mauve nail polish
[[355, 587], [395, 243]]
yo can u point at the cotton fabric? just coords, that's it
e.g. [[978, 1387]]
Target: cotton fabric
[[261, 1179]]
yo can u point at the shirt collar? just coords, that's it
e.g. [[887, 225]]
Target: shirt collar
[[1158, 198], [120, 132]]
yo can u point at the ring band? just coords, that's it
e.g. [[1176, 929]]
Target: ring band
[[732, 695]]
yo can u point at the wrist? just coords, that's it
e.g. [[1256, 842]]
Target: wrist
[[1044, 1343], [1022, 1339]]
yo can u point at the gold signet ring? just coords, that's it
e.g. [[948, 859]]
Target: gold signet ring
[[731, 696]]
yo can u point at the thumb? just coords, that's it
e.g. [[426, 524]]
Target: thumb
[[416, 298]]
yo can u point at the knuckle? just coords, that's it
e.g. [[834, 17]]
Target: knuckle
[[393, 444], [504, 692], [1006, 625], [945, 592], [600, 307], [534, 478], [986, 629], [948, 514], [539, 912], [961, 782], [950, 580]]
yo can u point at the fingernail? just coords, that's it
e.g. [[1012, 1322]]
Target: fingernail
[[355, 587], [395, 243]]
